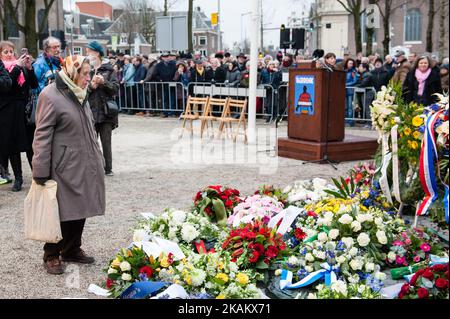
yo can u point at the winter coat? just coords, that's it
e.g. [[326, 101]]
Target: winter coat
[[103, 93], [13, 132], [351, 79], [182, 78], [45, 69], [245, 80], [432, 86], [218, 75], [272, 78], [165, 71], [195, 76], [379, 78], [140, 73], [401, 72], [66, 150], [150, 76], [128, 74], [233, 77], [5, 80]]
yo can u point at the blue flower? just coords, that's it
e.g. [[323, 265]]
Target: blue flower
[[376, 184], [293, 242], [340, 246], [421, 129], [143, 277], [302, 273], [367, 202], [304, 251], [330, 254], [373, 193]]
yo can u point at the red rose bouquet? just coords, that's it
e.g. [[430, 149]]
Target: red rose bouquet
[[217, 202], [254, 245], [428, 283]]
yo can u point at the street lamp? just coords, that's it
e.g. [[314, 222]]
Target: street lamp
[[242, 15]]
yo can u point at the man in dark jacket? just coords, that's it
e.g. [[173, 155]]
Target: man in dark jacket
[[139, 75], [164, 72], [379, 76], [104, 86], [241, 59], [150, 77], [200, 73]]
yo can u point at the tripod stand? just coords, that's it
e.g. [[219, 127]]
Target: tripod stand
[[325, 155]]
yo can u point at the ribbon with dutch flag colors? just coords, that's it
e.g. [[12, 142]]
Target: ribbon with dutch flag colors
[[327, 271], [428, 157]]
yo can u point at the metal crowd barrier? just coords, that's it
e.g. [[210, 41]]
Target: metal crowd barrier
[[152, 96], [271, 103], [362, 98]]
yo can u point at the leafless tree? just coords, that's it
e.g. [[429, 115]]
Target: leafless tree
[[354, 7], [442, 27], [27, 25]]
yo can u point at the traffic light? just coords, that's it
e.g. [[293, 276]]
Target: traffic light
[[298, 39], [285, 37]]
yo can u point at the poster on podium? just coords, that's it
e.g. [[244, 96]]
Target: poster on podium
[[304, 94]]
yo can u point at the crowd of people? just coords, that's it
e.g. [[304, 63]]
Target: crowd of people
[[223, 69], [55, 109]]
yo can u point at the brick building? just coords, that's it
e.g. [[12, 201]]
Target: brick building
[[335, 28]]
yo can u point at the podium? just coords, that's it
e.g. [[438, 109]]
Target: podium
[[316, 118]]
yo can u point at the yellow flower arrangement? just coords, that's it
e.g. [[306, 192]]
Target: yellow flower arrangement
[[116, 262], [416, 135], [223, 277], [417, 121], [242, 278], [407, 131]]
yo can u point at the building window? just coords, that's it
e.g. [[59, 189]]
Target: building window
[[194, 40], [204, 52], [123, 39], [413, 25], [202, 40], [13, 31], [77, 50]]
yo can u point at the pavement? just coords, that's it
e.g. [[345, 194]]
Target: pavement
[[153, 170]]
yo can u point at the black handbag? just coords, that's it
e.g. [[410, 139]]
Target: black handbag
[[112, 109], [30, 109]]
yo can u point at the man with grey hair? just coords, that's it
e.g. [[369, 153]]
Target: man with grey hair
[[48, 63]]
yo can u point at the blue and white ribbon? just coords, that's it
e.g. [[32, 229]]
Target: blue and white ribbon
[[143, 289], [328, 272]]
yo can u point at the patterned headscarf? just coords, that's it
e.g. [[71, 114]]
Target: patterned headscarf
[[70, 71]]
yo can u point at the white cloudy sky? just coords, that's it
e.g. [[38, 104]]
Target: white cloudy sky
[[276, 13]]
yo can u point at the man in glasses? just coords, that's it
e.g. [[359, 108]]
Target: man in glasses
[[48, 63]]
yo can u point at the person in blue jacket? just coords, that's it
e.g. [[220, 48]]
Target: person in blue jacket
[[352, 78], [48, 63], [139, 75]]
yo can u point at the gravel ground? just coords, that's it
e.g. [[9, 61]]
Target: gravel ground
[[153, 170]]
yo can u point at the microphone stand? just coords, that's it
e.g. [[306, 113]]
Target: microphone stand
[[325, 155]]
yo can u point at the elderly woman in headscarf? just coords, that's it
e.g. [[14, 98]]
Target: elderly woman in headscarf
[[66, 150]]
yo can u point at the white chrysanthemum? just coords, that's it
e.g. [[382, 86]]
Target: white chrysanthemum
[[345, 219], [126, 277], [392, 256], [178, 217], [353, 251], [309, 257], [125, 266], [319, 254], [348, 241], [339, 287], [322, 237], [381, 236], [356, 264], [380, 276], [370, 267], [356, 226], [112, 271], [172, 235], [293, 261], [334, 233], [198, 277], [189, 233], [341, 259], [309, 268], [363, 239]]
